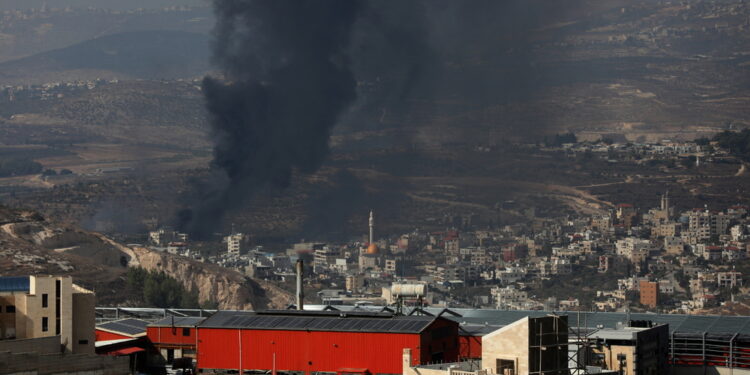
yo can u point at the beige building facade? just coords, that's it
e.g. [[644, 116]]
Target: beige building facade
[[45, 306]]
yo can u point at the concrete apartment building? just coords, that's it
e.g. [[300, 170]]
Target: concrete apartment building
[[649, 291], [234, 243], [729, 279], [704, 224], [45, 306]]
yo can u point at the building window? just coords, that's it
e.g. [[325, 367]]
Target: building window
[[57, 306], [10, 309], [186, 331], [83, 342], [506, 367], [44, 300], [45, 324]]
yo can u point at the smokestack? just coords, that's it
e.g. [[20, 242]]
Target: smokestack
[[372, 227], [300, 292]]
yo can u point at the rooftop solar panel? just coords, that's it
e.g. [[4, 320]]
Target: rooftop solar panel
[[14, 284]]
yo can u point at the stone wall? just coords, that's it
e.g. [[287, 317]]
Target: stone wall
[[62, 364]]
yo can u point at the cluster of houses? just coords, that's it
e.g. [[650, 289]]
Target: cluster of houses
[[677, 262]]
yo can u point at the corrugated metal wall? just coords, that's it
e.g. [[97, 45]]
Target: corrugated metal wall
[[169, 335], [303, 351], [322, 350], [106, 336], [470, 346]]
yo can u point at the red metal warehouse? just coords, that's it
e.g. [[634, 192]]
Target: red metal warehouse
[[175, 337], [321, 341]]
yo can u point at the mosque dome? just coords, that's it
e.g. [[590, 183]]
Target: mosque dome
[[372, 249]]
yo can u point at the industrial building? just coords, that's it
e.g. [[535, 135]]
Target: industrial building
[[638, 348], [174, 337], [324, 341], [527, 346], [122, 329], [694, 344]]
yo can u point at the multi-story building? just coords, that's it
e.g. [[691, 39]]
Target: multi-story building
[[601, 223], [703, 224], [479, 257], [627, 214], [354, 283], [630, 350], [729, 279], [635, 249], [391, 265], [43, 306], [324, 258], [510, 275], [162, 237], [674, 245], [649, 293], [234, 242], [666, 287], [561, 266], [665, 229], [507, 297]]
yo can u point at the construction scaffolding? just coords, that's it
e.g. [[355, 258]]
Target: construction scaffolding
[[548, 345]]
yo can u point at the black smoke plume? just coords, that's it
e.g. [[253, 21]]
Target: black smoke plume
[[294, 69], [287, 79]]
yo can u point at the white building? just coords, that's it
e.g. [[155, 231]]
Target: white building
[[507, 297], [234, 242], [633, 248], [729, 279]]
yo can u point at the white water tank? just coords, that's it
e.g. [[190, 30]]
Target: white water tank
[[409, 290]]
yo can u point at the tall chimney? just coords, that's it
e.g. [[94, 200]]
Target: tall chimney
[[372, 228], [300, 292]]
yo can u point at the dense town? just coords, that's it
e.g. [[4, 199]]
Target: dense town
[[651, 258]]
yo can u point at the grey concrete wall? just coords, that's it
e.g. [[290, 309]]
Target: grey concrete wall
[[39, 345], [62, 364], [84, 323]]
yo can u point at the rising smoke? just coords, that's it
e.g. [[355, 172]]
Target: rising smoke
[[294, 69], [287, 80]]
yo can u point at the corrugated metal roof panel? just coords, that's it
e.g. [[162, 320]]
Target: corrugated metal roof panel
[[178, 321], [314, 322], [678, 323], [130, 327]]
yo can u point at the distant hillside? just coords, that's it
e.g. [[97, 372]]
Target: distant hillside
[[25, 33], [31, 245], [141, 54]]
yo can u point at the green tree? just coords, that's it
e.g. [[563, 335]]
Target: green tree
[[158, 289]]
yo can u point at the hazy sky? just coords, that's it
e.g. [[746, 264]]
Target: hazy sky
[[108, 4]]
